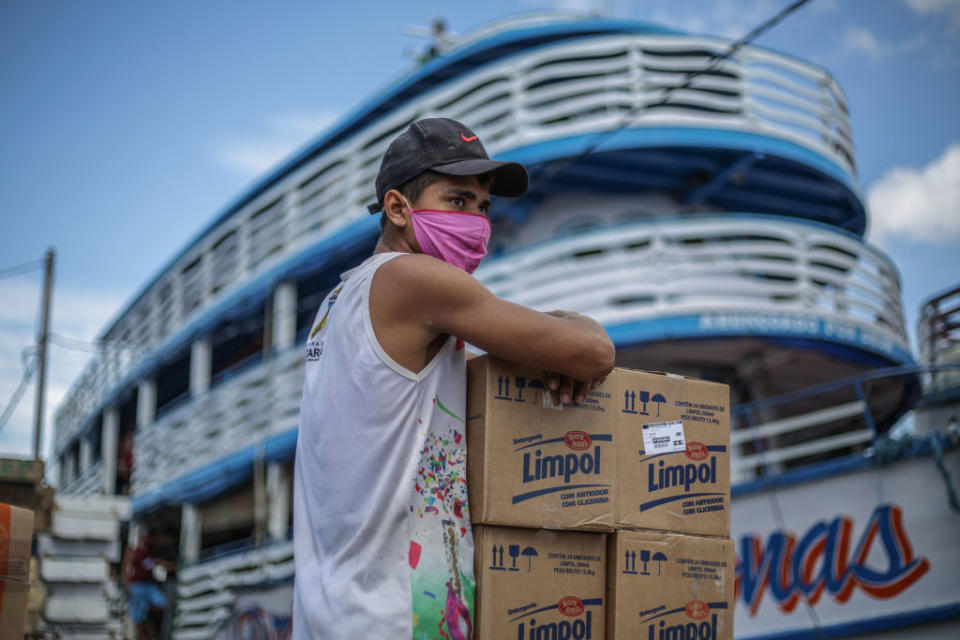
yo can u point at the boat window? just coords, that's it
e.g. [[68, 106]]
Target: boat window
[[310, 182], [571, 79], [228, 522], [173, 383], [699, 69], [614, 55], [235, 345], [633, 300], [164, 304], [470, 91], [191, 285], [224, 261], [94, 439]]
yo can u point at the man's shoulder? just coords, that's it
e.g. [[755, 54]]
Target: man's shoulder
[[412, 263], [419, 272]]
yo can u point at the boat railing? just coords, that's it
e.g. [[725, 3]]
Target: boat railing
[[208, 590], [645, 269], [86, 481], [762, 447], [243, 408], [938, 335]]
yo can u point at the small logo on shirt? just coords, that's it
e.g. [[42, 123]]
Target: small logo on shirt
[[314, 350], [323, 321]]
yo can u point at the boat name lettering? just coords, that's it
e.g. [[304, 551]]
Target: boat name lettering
[[791, 568]]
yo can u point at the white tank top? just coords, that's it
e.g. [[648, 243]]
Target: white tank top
[[382, 541]]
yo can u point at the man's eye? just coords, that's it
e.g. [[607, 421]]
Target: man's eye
[[456, 201], [484, 208]]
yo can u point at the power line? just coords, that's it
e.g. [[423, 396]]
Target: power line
[[715, 61], [774, 499], [28, 370], [17, 269], [76, 344]]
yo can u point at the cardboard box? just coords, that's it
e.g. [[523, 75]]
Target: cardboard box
[[36, 498], [16, 534], [644, 450], [539, 584], [21, 470], [35, 596], [531, 466], [665, 585], [673, 454]]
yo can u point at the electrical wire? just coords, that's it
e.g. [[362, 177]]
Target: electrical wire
[[94, 346], [773, 498], [550, 172], [29, 367], [17, 269]]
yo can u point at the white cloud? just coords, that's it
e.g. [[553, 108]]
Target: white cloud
[[281, 135], [580, 6], [861, 40], [75, 314], [933, 6], [923, 206], [728, 18], [858, 40], [926, 7]]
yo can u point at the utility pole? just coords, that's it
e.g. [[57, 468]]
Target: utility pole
[[42, 353]]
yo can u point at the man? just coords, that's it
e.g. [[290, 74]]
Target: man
[[144, 567], [382, 539]]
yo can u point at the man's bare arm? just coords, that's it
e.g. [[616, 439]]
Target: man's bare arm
[[434, 298]]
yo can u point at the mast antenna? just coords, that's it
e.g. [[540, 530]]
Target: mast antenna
[[42, 340]]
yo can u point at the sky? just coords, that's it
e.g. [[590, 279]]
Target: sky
[[125, 127]]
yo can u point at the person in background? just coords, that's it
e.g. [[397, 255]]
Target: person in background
[[124, 463], [144, 571]]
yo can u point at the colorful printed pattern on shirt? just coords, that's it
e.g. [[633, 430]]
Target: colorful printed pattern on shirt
[[441, 541]]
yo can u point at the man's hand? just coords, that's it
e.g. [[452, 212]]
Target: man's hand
[[564, 388]]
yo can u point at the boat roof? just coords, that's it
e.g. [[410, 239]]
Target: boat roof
[[488, 43]]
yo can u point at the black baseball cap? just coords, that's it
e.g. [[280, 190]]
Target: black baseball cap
[[448, 147]]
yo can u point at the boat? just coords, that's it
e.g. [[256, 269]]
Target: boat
[[702, 205]]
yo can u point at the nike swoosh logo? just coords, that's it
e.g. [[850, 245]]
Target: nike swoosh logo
[[466, 139]]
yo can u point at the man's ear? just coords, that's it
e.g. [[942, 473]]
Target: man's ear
[[395, 208]]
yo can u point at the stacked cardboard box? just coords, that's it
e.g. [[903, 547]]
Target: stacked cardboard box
[[75, 566], [537, 583], [16, 536], [22, 485], [644, 462]]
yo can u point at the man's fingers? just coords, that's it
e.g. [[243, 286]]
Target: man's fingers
[[583, 388], [564, 389], [553, 383]]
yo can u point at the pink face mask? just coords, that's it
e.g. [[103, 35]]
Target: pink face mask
[[455, 237]]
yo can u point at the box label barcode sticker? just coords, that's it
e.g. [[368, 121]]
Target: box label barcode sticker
[[663, 437]]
